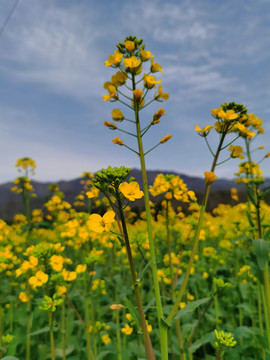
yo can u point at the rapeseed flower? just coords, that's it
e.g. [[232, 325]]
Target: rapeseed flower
[[131, 191], [209, 177], [100, 224], [118, 141], [165, 138], [236, 152]]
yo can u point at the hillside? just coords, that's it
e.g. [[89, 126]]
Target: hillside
[[10, 203]]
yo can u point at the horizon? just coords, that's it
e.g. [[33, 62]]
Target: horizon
[[52, 73]]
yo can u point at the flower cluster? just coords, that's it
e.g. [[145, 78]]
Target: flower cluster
[[129, 59]]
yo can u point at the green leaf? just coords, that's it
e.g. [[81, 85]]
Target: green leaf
[[265, 193], [133, 312], [242, 331], [250, 196], [104, 353], [262, 249], [203, 340], [41, 331], [266, 235], [10, 358], [69, 350], [144, 269], [190, 307]]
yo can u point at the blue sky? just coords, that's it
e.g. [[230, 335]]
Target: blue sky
[[52, 72]]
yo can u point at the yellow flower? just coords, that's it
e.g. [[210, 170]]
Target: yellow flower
[[60, 290], [118, 141], [69, 275], [56, 262], [165, 139], [110, 125], [267, 155], [236, 152], [38, 280], [131, 63], [93, 193], [204, 131], [157, 116], [131, 191], [138, 93], [155, 67], [150, 81], [23, 297], [119, 79], [112, 93], [145, 55], [116, 306], [209, 177], [80, 268], [114, 60], [261, 147], [160, 94], [127, 330], [106, 339], [99, 224], [205, 275], [129, 45], [117, 115]]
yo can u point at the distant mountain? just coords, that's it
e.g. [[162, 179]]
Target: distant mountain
[[10, 203]]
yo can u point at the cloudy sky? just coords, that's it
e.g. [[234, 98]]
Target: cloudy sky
[[52, 71]]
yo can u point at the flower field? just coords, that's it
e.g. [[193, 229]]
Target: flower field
[[95, 280]]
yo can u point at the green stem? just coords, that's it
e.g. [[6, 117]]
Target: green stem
[[87, 321], [93, 321], [147, 341], [163, 331], [63, 330], [265, 311], [197, 236], [28, 330], [259, 228], [216, 304], [51, 335]]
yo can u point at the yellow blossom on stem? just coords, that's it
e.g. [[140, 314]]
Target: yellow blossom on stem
[[138, 93], [23, 297], [209, 177], [129, 45], [116, 306], [145, 55], [165, 139], [204, 131], [110, 125], [160, 94], [157, 116], [119, 79], [93, 193], [117, 115], [100, 224], [56, 262], [80, 268], [150, 81], [69, 275], [38, 280], [155, 67], [112, 93], [118, 141], [131, 191], [236, 152], [127, 330], [114, 60], [131, 63]]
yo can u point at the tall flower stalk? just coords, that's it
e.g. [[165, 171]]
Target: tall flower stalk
[[129, 57]]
